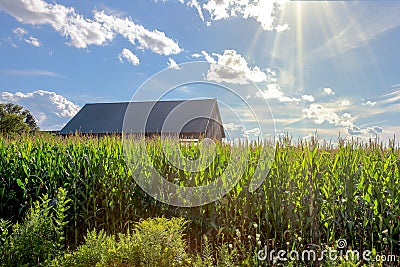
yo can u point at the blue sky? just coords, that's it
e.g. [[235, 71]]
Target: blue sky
[[325, 66]]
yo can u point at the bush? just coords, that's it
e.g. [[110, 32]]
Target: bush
[[153, 242], [40, 238]]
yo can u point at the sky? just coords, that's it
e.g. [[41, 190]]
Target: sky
[[325, 67]]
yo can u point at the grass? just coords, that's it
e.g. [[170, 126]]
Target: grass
[[312, 196]]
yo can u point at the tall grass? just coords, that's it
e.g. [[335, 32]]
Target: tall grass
[[312, 194]]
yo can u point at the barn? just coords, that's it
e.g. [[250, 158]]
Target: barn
[[190, 119]]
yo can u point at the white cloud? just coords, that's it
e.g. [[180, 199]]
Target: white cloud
[[390, 98], [366, 133], [172, 64], [129, 56], [264, 12], [233, 68], [195, 4], [208, 57], [384, 106], [65, 20], [282, 28], [184, 89], [396, 85], [320, 114], [11, 42], [374, 130], [51, 110], [33, 41], [274, 91], [369, 103], [20, 32], [232, 126], [233, 131], [255, 132], [196, 55], [218, 8], [354, 130], [308, 98], [82, 31], [154, 40], [31, 73], [237, 131], [345, 102], [285, 77], [328, 91], [346, 115]]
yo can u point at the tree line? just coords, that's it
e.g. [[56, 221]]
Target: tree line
[[15, 119]]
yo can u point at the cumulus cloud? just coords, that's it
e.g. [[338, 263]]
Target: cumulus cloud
[[233, 131], [264, 12], [346, 115], [321, 114], [33, 41], [172, 64], [369, 103], [21, 32], [65, 20], [208, 57], [218, 9], [374, 130], [274, 91], [282, 28], [345, 102], [233, 68], [232, 126], [82, 31], [308, 98], [354, 130], [154, 40], [328, 91], [367, 132], [253, 132], [196, 55], [50, 110], [129, 56], [236, 131]]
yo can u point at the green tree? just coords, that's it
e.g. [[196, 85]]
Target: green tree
[[15, 119]]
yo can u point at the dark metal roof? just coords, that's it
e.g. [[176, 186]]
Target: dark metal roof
[[102, 118]]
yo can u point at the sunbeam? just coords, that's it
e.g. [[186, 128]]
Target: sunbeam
[[341, 38], [299, 45]]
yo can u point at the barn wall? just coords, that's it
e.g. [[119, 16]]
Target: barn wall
[[214, 128]]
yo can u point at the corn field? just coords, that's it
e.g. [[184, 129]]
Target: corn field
[[313, 194]]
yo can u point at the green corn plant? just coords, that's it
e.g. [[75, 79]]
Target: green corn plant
[[313, 194]]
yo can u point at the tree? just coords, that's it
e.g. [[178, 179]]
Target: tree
[[15, 119]]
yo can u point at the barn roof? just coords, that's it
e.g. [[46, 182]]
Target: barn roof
[[103, 118]]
